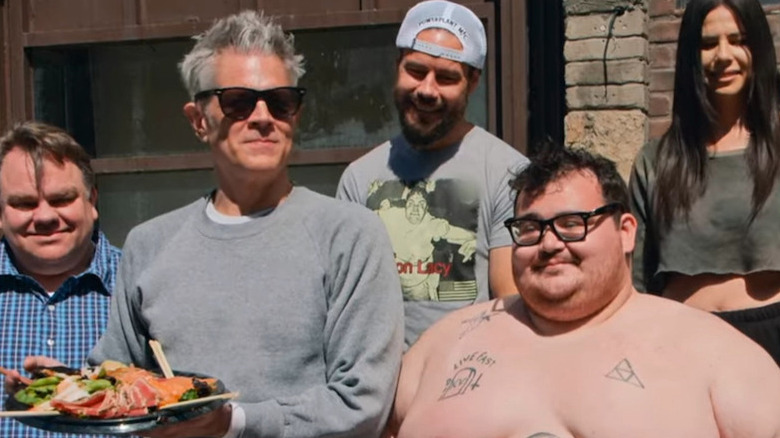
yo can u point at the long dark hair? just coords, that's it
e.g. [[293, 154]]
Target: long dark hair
[[681, 169]]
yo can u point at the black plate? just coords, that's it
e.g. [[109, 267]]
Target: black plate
[[118, 426]]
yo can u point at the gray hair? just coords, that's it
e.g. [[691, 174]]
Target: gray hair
[[245, 32]]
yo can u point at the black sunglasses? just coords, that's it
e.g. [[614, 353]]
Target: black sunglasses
[[238, 103], [568, 227]]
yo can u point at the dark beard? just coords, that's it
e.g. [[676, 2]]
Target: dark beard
[[418, 137]]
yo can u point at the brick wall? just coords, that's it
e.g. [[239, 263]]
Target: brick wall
[[607, 115], [663, 29]]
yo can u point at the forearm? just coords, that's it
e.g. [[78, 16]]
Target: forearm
[[320, 411], [458, 235]]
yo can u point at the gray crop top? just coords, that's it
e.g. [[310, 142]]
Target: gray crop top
[[718, 238]]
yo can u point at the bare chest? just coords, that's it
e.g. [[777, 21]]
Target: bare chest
[[547, 390]]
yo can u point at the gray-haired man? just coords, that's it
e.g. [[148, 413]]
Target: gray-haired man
[[289, 297]]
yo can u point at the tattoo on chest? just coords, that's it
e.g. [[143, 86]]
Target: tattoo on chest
[[466, 374], [542, 435], [471, 324], [624, 372]]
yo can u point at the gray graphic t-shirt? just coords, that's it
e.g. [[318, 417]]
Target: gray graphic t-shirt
[[433, 230], [444, 211]]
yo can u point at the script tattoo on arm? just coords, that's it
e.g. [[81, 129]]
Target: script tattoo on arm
[[467, 373], [624, 372]]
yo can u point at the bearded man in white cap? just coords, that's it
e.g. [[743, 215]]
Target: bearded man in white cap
[[450, 248]]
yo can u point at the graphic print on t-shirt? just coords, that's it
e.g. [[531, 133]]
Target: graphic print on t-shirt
[[433, 230]]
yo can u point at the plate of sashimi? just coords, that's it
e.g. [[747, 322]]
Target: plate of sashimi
[[112, 398]]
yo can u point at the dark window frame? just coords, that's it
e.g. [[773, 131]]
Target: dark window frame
[[506, 113]]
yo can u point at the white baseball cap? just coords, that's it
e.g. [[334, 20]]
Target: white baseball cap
[[458, 20]]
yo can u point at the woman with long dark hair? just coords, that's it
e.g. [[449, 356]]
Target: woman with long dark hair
[[706, 194]]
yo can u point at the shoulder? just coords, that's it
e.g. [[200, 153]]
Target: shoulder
[[105, 250], [312, 203], [667, 332], [643, 306], [358, 173], [6, 262], [324, 215], [700, 332], [377, 155], [494, 147], [156, 231], [649, 152], [446, 331], [472, 325], [643, 170]]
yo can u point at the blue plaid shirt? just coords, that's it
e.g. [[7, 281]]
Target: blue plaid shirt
[[65, 325]]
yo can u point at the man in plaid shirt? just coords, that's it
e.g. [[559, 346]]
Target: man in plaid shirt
[[57, 269]]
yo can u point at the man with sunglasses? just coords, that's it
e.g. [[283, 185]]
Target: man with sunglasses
[[464, 168], [580, 352], [289, 297]]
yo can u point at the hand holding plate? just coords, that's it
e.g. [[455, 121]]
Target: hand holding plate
[[13, 380], [214, 424]]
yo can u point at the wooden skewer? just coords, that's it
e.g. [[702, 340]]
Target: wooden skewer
[[13, 374], [225, 396], [11, 414], [161, 360]]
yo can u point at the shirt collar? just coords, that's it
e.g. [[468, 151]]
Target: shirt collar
[[97, 266]]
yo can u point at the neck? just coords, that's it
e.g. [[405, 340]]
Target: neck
[[454, 136], [244, 196], [730, 130], [546, 326], [730, 137]]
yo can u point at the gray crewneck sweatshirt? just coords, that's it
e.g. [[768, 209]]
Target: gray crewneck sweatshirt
[[298, 310]]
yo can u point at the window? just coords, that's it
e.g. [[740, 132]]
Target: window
[[123, 102], [105, 70]]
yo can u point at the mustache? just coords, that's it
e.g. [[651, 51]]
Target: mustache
[[547, 259], [423, 102]]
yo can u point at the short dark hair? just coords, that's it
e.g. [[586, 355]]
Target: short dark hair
[[552, 163], [42, 141]]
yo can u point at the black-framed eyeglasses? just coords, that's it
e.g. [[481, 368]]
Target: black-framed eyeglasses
[[568, 227], [238, 103]]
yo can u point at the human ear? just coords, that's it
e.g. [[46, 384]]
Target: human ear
[[628, 227], [93, 195], [197, 120]]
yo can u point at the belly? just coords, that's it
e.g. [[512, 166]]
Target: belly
[[715, 292]]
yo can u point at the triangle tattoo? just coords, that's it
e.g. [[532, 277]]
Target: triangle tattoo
[[624, 372]]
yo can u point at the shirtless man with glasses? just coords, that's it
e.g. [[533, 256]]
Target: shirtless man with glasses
[[580, 353]]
